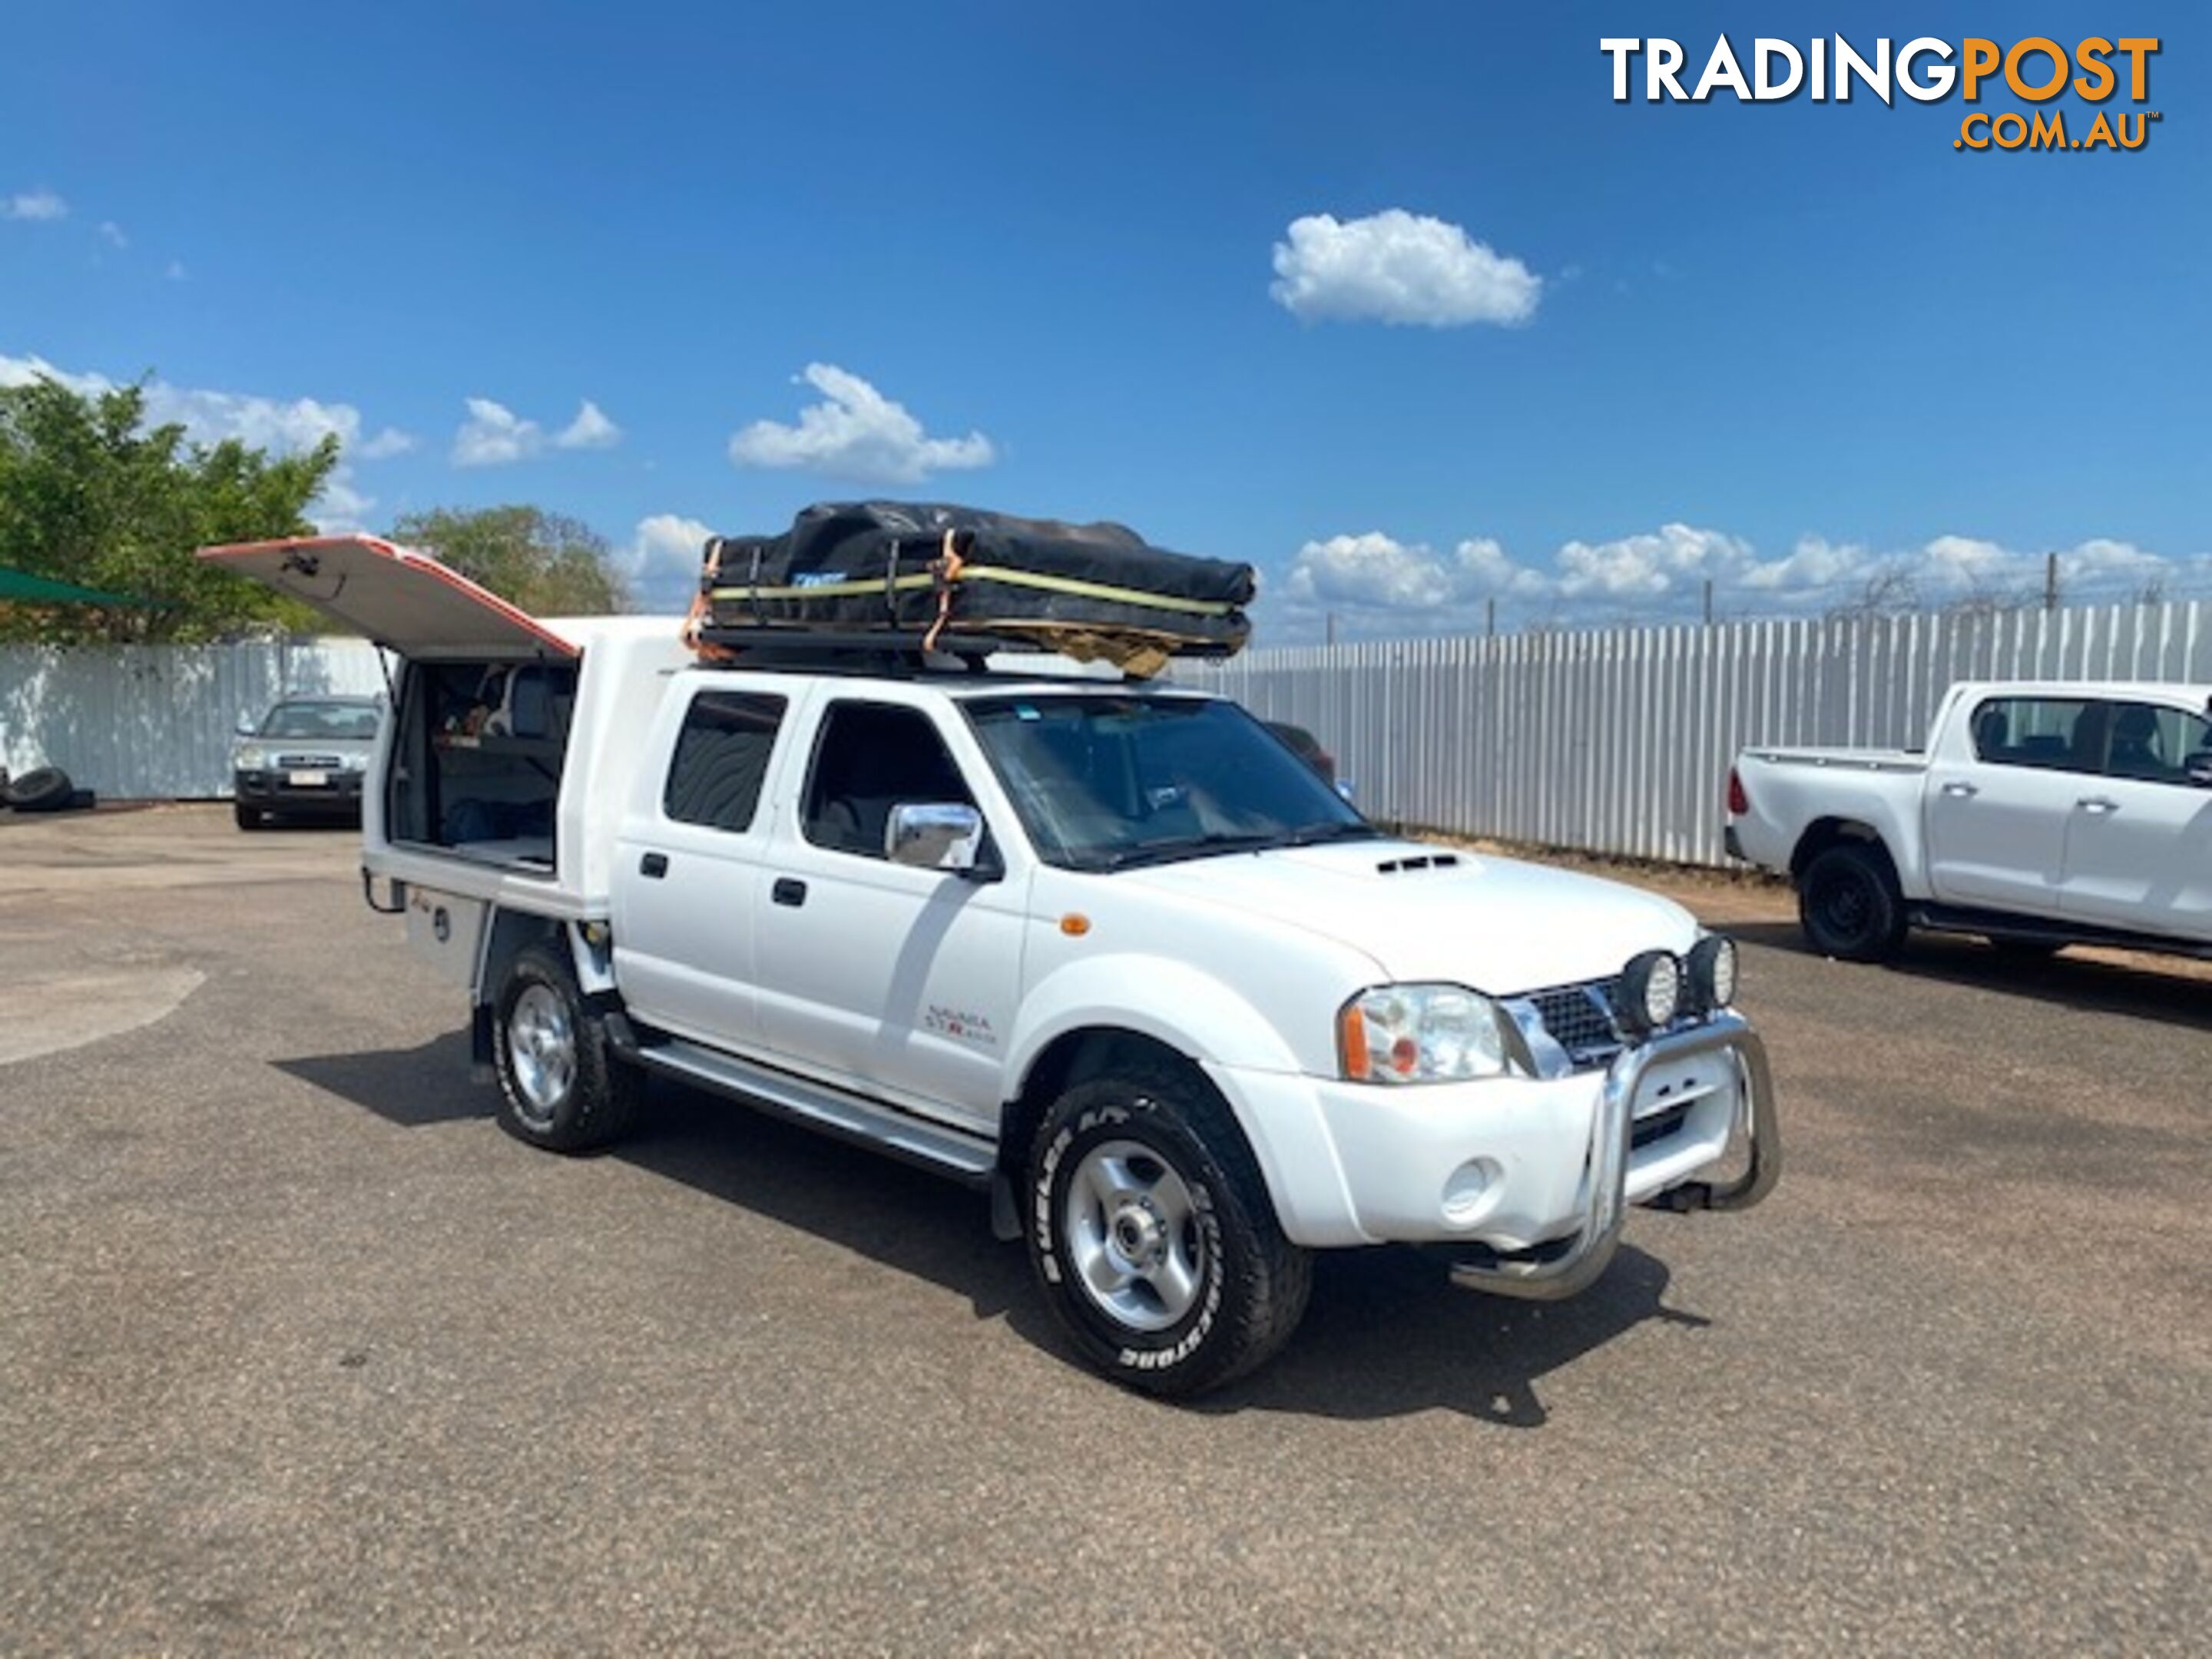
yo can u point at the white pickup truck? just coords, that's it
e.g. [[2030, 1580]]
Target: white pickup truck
[[1112, 953], [2039, 815]]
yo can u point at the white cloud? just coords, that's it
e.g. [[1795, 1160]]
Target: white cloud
[[590, 429], [1815, 561], [858, 434], [284, 427], [1398, 267], [340, 508], [1377, 571], [494, 434], [1652, 563], [111, 234], [1374, 584], [661, 564], [34, 204], [209, 417], [388, 442]]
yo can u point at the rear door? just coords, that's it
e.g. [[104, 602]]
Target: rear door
[[1997, 815], [688, 867], [2139, 846]]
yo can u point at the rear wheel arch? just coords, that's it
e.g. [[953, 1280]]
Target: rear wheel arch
[[1824, 833]]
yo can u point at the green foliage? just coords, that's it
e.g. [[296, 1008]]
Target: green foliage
[[547, 564], [88, 497]]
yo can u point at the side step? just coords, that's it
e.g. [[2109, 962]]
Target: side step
[[2039, 930], [967, 1158]]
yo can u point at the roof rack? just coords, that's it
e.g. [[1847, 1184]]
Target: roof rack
[[855, 652]]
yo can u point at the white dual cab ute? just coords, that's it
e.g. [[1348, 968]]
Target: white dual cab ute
[[1111, 951], [2040, 814]]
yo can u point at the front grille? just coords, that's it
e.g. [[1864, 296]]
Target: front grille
[[1580, 1019], [327, 762]]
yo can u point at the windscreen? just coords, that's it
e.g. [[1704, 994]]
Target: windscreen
[[1103, 782], [320, 719]]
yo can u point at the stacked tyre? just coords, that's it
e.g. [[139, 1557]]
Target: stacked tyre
[[42, 789]]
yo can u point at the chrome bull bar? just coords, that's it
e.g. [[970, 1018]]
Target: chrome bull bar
[[1550, 1272]]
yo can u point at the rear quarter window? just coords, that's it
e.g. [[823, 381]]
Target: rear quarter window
[[722, 757]]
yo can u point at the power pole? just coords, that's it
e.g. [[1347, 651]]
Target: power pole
[[1328, 629], [1490, 617], [1709, 601], [2051, 581]]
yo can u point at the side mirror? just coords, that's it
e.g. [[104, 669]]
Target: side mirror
[[247, 726], [935, 836]]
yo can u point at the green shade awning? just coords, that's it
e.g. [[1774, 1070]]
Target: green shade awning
[[22, 588]]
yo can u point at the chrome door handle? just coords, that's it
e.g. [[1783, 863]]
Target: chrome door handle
[[2097, 805], [1961, 790]]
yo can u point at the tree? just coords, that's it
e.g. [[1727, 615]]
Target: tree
[[88, 497], [544, 562]]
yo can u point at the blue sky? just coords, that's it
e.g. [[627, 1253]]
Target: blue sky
[[1042, 257]]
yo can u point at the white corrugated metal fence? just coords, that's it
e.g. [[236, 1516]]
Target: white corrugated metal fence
[[155, 721], [1619, 742], [1616, 742]]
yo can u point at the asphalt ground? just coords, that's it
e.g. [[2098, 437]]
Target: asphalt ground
[[299, 1353]]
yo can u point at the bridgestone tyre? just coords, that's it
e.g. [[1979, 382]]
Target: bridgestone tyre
[[1849, 904], [248, 817], [561, 1086], [1153, 1237], [43, 789]]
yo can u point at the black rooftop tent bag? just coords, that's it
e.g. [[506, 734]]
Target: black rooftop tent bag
[[926, 576]]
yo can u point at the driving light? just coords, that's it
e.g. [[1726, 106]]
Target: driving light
[[354, 762], [1650, 991], [1421, 1033], [1712, 972], [252, 758]]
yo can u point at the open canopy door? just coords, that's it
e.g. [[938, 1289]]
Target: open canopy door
[[404, 600]]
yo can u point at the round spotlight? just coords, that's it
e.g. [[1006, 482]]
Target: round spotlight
[[1712, 972], [1651, 990]]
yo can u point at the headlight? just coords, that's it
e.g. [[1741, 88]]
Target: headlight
[[354, 762], [1422, 1034], [1650, 991], [252, 758], [1712, 972]]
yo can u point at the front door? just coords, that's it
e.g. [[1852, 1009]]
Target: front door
[[900, 981], [2139, 848]]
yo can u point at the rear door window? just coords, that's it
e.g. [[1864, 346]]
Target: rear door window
[[2054, 734]]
